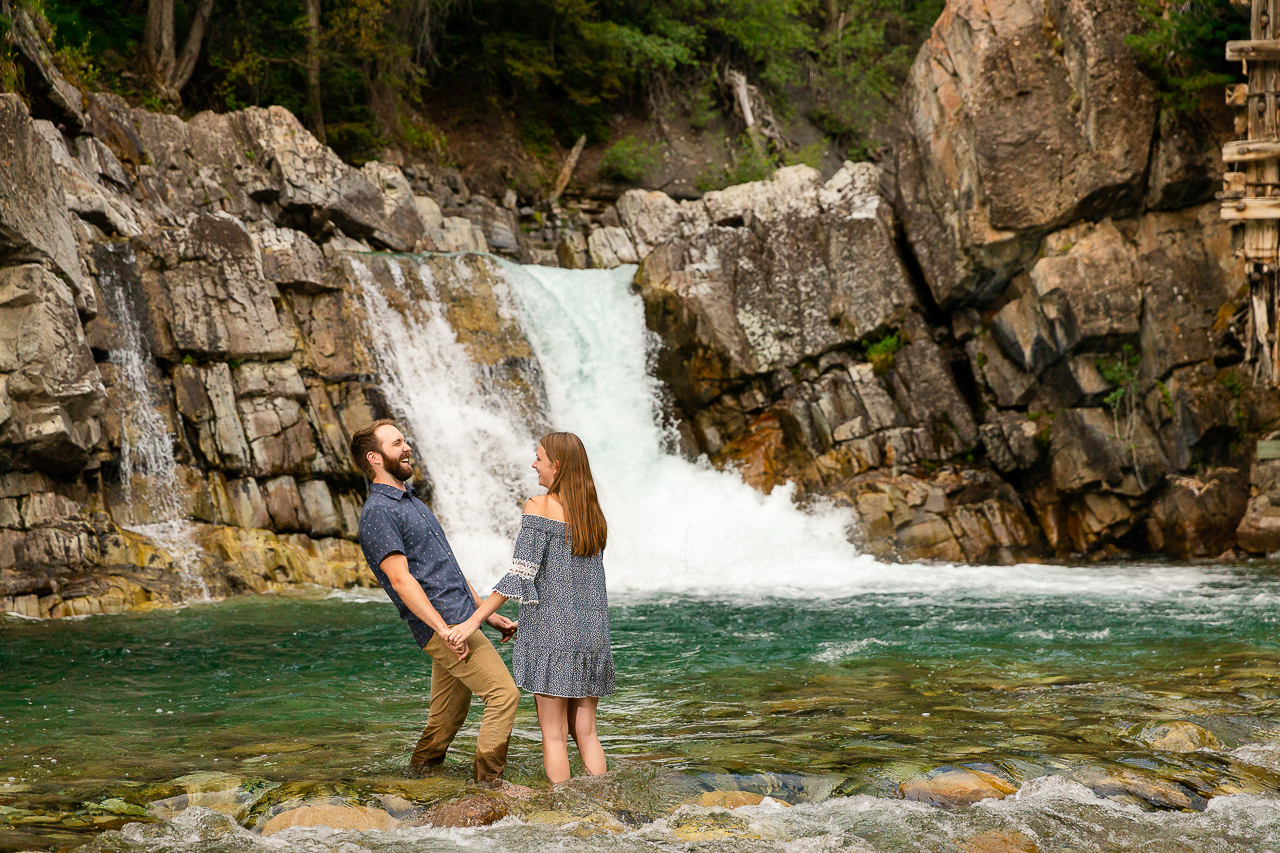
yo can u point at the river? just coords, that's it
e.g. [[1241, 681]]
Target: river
[[756, 649]]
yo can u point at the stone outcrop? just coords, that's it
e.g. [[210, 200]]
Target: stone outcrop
[[181, 348]]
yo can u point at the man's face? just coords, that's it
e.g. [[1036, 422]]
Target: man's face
[[397, 458]]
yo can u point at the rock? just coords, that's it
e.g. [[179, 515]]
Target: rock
[[1030, 336], [729, 799], [926, 391], [1133, 786], [336, 815], [50, 390], [1178, 736], [1096, 280], [571, 251], [284, 503], [34, 226], [650, 218], [82, 185], [117, 806], [1085, 453], [1186, 168], [290, 258], [1011, 441], [472, 810], [1259, 529], [953, 787], [1198, 516], [1005, 139], [279, 435], [1192, 411], [500, 227], [737, 300], [1008, 383], [49, 92], [998, 842], [717, 826], [318, 506], [207, 293], [610, 247]]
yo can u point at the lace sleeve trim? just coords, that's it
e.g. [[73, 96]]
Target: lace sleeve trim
[[525, 569]]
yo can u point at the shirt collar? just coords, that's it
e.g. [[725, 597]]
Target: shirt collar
[[391, 491]]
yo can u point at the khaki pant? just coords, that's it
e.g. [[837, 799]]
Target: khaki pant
[[453, 682]]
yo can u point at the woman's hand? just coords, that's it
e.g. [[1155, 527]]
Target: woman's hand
[[459, 633]]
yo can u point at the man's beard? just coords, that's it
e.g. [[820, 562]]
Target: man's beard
[[401, 467]]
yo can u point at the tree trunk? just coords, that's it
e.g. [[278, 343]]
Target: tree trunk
[[316, 115], [170, 71]]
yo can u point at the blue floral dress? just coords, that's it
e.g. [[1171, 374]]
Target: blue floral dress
[[562, 647]]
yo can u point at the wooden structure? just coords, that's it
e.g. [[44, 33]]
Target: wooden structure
[[1251, 185]]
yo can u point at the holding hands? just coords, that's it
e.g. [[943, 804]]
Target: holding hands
[[456, 638]]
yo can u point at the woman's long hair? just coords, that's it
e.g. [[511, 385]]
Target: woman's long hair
[[586, 529]]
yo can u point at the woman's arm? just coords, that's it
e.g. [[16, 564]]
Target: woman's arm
[[459, 633]]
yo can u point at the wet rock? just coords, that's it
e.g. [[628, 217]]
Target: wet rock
[[998, 842], [1178, 736], [285, 504], [926, 391], [1125, 785], [956, 787], [1198, 516], [976, 189], [730, 799], [571, 251], [472, 810], [340, 816], [717, 826]]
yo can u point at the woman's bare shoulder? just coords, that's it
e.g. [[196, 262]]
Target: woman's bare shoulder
[[545, 506]]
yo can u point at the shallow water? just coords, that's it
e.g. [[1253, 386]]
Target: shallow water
[[824, 703]]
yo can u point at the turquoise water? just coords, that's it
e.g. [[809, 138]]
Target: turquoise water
[[839, 698]]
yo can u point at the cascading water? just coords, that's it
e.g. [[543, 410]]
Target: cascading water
[[146, 445]]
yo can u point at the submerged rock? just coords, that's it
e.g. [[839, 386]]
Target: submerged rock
[[1178, 736], [998, 842], [334, 815], [955, 787], [716, 826]]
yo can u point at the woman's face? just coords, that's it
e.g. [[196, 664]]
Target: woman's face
[[545, 467]]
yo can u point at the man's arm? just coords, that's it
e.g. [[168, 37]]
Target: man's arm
[[396, 567]]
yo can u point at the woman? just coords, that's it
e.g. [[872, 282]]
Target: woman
[[562, 651]]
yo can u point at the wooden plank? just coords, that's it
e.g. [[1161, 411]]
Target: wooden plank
[[1244, 209], [1268, 450], [1247, 150], [1238, 51]]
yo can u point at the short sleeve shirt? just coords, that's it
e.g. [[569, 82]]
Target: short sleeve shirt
[[396, 522]]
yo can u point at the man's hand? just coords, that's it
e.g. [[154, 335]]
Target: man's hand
[[456, 642], [502, 625]]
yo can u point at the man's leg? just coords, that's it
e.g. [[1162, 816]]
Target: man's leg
[[450, 699], [486, 675]]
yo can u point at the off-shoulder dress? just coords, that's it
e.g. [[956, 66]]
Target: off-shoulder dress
[[562, 647]]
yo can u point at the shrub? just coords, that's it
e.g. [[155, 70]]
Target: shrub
[[630, 159], [1183, 43], [882, 353]]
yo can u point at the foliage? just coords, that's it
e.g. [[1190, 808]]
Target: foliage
[[1232, 382], [630, 159], [810, 155], [882, 353], [1182, 47], [1123, 374], [1166, 397], [749, 161], [561, 68]]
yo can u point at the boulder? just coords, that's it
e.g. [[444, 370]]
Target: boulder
[[926, 391], [1096, 281], [335, 815], [290, 259], [472, 810], [1178, 736], [1087, 453], [610, 247], [953, 787], [1012, 131], [1259, 529], [317, 504], [499, 226]]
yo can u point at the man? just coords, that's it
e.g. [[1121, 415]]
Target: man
[[408, 553]]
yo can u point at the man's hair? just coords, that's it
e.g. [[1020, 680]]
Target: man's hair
[[363, 440]]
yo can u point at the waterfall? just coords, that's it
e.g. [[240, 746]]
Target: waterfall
[[674, 525], [468, 436], [146, 445]]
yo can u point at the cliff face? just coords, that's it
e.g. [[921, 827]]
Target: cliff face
[[1022, 341], [184, 350], [1016, 338]]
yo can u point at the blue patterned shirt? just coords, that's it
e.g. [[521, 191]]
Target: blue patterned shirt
[[396, 522]]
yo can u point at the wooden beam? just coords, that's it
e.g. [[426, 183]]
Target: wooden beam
[[1243, 209], [1247, 150], [1238, 51]]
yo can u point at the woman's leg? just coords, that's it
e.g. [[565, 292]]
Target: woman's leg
[[582, 725], [553, 719]]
